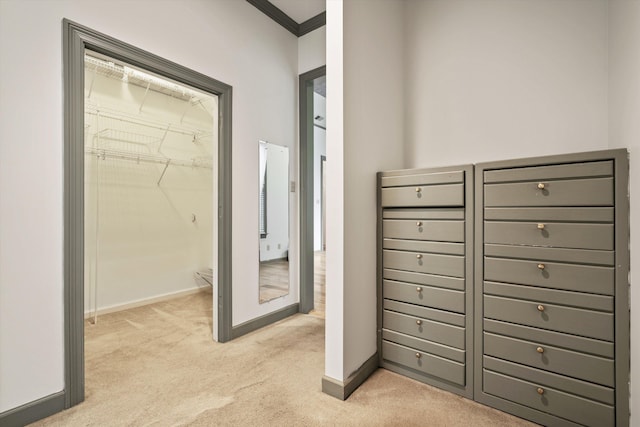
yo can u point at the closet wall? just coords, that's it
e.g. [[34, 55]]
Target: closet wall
[[148, 225]]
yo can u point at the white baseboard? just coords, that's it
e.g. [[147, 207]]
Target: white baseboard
[[145, 301]]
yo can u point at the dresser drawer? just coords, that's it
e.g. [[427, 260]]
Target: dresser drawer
[[421, 312], [586, 323], [573, 277], [581, 214], [404, 179], [424, 362], [422, 214], [554, 359], [424, 329], [428, 296], [549, 400], [430, 347], [456, 283], [423, 195], [448, 265], [557, 339], [596, 169], [579, 192], [446, 248], [549, 379], [550, 296], [554, 234], [446, 231], [596, 257]]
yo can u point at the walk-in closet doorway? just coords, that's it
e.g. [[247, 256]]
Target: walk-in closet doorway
[[147, 187]]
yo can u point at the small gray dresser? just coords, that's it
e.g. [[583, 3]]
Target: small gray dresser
[[425, 269], [551, 285]]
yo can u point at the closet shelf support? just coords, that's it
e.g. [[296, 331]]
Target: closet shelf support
[[164, 170]]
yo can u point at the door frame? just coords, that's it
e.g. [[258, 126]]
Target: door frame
[[77, 38], [306, 186], [323, 202]]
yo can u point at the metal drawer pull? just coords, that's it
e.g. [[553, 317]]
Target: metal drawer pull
[[541, 266], [418, 355], [418, 189], [540, 390], [540, 226], [540, 350], [540, 307], [418, 289], [541, 185], [419, 256], [419, 223], [418, 322]]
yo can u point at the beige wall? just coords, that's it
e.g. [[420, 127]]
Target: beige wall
[[498, 79]]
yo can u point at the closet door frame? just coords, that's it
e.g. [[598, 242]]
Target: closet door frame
[[77, 38]]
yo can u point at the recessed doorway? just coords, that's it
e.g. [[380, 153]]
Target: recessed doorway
[[157, 163]]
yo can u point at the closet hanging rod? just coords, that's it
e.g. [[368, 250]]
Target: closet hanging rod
[[147, 158], [175, 128]]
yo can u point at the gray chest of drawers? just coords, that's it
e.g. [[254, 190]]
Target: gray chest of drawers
[[517, 297], [425, 271], [551, 288]]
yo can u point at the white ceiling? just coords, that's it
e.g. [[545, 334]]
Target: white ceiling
[[300, 10]]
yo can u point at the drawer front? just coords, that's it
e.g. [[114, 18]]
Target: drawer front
[[541, 173], [427, 296], [422, 214], [425, 312], [579, 192], [551, 254], [430, 347], [447, 265], [566, 298], [425, 329], [414, 179], [456, 283], [548, 379], [424, 362], [572, 277], [586, 323], [447, 248], [555, 402], [554, 359], [445, 231], [423, 195], [581, 214], [556, 339], [556, 234]]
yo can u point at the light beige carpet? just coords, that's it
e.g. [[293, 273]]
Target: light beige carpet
[[157, 366]]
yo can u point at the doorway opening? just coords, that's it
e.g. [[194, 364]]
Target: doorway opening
[[313, 161], [130, 152], [149, 187]]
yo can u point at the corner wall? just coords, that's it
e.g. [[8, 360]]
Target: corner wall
[[223, 39], [371, 139]]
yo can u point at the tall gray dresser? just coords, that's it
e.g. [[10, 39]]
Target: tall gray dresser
[[551, 285], [425, 266]]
